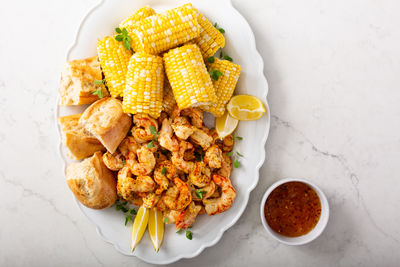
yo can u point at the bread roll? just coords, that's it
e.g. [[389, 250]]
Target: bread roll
[[106, 120], [92, 183], [77, 82], [79, 142]]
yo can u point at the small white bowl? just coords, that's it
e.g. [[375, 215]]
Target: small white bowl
[[314, 233]]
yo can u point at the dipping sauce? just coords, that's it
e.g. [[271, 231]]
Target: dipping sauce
[[292, 209]]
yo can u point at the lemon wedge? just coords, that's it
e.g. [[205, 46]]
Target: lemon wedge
[[139, 226], [225, 125], [245, 107], [156, 228]]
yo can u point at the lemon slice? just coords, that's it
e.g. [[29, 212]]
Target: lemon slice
[[245, 107], [139, 226], [225, 125], [156, 228]]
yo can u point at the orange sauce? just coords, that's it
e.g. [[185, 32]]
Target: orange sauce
[[292, 209]]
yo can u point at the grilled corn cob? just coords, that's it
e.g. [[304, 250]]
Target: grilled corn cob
[[168, 99], [114, 59], [210, 38], [158, 33], [144, 85], [140, 14], [188, 76], [224, 86]]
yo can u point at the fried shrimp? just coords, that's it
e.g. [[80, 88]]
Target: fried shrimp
[[201, 138], [150, 200], [226, 166], [166, 138], [182, 128], [224, 202], [187, 217], [145, 161], [127, 145], [127, 185], [205, 192], [114, 161], [164, 172], [214, 157], [200, 175], [141, 131], [225, 144], [178, 157], [178, 196], [196, 116]]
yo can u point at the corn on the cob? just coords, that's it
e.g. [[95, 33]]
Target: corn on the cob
[[210, 38], [140, 14], [224, 86], [158, 33], [144, 85], [114, 59], [188, 76], [168, 99]]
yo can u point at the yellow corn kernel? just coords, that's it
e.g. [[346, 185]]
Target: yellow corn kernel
[[224, 86], [144, 85], [210, 38], [140, 14], [114, 59], [158, 33], [169, 99], [188, 76]]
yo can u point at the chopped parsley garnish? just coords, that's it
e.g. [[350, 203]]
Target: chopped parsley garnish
[[211, 59], [133, 211], [123, 206], [127, 219], [199, 155], [215, 74], [199, 193], [163, 171], [123, 162], [236, 154], [189, 235], [228, 58], [240, 155], [179, 231], [98, 82], [219, 28], [238, 137], [236, 163], [150, 145], [98, 92], [123, 36], [166, 219], [229, 154]]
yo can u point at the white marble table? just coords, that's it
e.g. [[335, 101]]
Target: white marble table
[[333, 69]]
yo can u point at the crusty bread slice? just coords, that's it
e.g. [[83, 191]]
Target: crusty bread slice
[[77, 82], [92, 183], [79, 142], [106, 120]]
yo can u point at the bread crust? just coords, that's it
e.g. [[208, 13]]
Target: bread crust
[[106, 120], [92, 183], [77, 82], [80, 143]]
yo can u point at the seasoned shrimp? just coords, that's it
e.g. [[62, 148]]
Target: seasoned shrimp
[[150, 200], [141, 131], [145, 162], [178, 196], [160, 119], [201, 138], [163, 173], [201, 174], [225, 144], [195, 115], [171, 216], [127, 185], [187, 217], [166, 138], [127, 145], [226, 167], [214, 157], [224, 202], [205, 192], [178, 157], [114, 161], [182, 128]]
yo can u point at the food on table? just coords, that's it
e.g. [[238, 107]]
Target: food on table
[[80, 143], [139, 226], [188, 77], [160, 155], [106, 120], [160, 32], [78, 85], [245, 107], [143, 92], [156, 228], [225, 125], [210, 38], [114, 60], [227, 75], [292, 209], [92, 183]]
